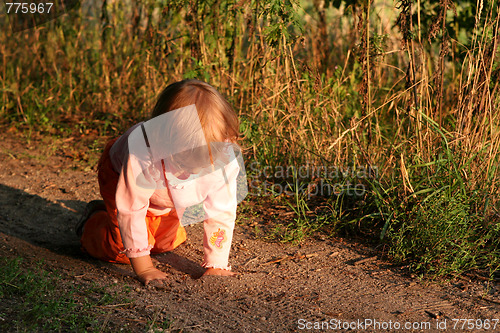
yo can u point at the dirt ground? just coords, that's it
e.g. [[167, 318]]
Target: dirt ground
[[280, 288]]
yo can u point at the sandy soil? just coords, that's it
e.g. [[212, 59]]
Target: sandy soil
[[280, 288]]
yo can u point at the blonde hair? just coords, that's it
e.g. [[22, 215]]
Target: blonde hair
[[218, 119]]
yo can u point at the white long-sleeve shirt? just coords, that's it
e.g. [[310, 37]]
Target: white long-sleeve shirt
[[151, 186]]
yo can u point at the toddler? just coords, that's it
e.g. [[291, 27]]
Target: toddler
[[184, 156]]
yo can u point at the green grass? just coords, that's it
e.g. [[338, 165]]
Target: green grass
[[36, 299]]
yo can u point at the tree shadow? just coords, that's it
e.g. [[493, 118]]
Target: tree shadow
[[39, 221], [51, 225], [181, 264]]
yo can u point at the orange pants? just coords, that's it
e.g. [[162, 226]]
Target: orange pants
[[101, 236]]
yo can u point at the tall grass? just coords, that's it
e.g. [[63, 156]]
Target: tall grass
[[368, 85]]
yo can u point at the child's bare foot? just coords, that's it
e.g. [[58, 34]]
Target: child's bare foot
[[218, 271]]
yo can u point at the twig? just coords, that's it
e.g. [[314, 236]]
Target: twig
[[291, 257], [490, 300], [477, 276], [193, 326], [250, 260], [114, 305], [362, 261], [66, 207], [277, 260]]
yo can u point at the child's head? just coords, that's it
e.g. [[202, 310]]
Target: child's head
[[218, 119]]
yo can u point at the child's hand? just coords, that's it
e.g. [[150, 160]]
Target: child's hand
[[218, 271], [146, 272], [150, 275]]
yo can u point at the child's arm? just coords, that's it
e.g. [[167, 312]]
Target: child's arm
[[145, 270], [132, 203], [133, 191], [220, 207]]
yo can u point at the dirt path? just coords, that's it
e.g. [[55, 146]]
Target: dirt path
[[281, 288]]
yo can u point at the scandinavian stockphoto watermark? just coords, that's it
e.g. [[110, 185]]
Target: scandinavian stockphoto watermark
[[25, 15], [309, 179], [371, 324], [170, 152]]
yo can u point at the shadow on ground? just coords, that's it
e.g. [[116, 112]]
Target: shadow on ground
[[50, 224]]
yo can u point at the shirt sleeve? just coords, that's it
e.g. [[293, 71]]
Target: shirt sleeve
[[220, 207], [136, 185]]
